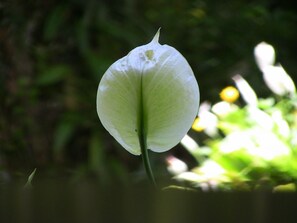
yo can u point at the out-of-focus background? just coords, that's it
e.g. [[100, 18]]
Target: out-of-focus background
[[54, 53]]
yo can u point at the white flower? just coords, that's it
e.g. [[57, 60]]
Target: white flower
[[275, 77], [207, 177], [211, 170], [189, 143], [175, 165], [223, 108], [189, 176], [208, 120], [148, 97], [264, 54], [278, 81], [246, 91]]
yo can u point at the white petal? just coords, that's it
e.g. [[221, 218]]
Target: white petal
[[246, 91], [161, 78], [277, 79], [175, 165], [189, 143], [264, 54], [223, 108]]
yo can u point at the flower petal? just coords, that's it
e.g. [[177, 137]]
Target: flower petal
[[156, 80]]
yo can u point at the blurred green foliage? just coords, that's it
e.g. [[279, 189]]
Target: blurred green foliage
[[249, 146], [53, 54]]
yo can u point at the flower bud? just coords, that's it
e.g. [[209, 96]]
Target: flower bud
[[152, 92]]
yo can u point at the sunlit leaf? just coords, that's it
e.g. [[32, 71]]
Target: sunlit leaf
[[291, 187]]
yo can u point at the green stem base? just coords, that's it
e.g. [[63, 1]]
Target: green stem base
[[146, 161]]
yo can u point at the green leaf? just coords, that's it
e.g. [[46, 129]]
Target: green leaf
[[54, 22], [30, 178], [96, 155], [53, 75], [150, 92], [291, 187], [62, 135]]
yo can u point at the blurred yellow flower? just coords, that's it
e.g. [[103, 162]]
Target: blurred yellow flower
[[229, 94], [198, 125]]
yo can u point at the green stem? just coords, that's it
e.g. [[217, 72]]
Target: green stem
[[142, 138], [145, 159]]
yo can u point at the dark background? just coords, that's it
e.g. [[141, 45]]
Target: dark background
[[53, 54]]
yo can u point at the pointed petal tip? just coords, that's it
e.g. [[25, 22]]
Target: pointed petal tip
[[156, 37]]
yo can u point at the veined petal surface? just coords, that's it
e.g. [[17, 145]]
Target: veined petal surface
[[157, 80]]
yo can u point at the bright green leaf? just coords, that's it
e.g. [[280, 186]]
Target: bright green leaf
[[291, 187]]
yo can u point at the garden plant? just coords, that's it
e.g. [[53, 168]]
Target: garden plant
[[148, 100], [249, 144]]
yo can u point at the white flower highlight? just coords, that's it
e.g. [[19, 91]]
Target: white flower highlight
[[246, 91], [190, 144], [275, 77], [175, 165], [278, 81], [264, 54], [223, 108]]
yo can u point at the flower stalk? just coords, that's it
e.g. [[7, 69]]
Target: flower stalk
[[146, 160], [142, 136]]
